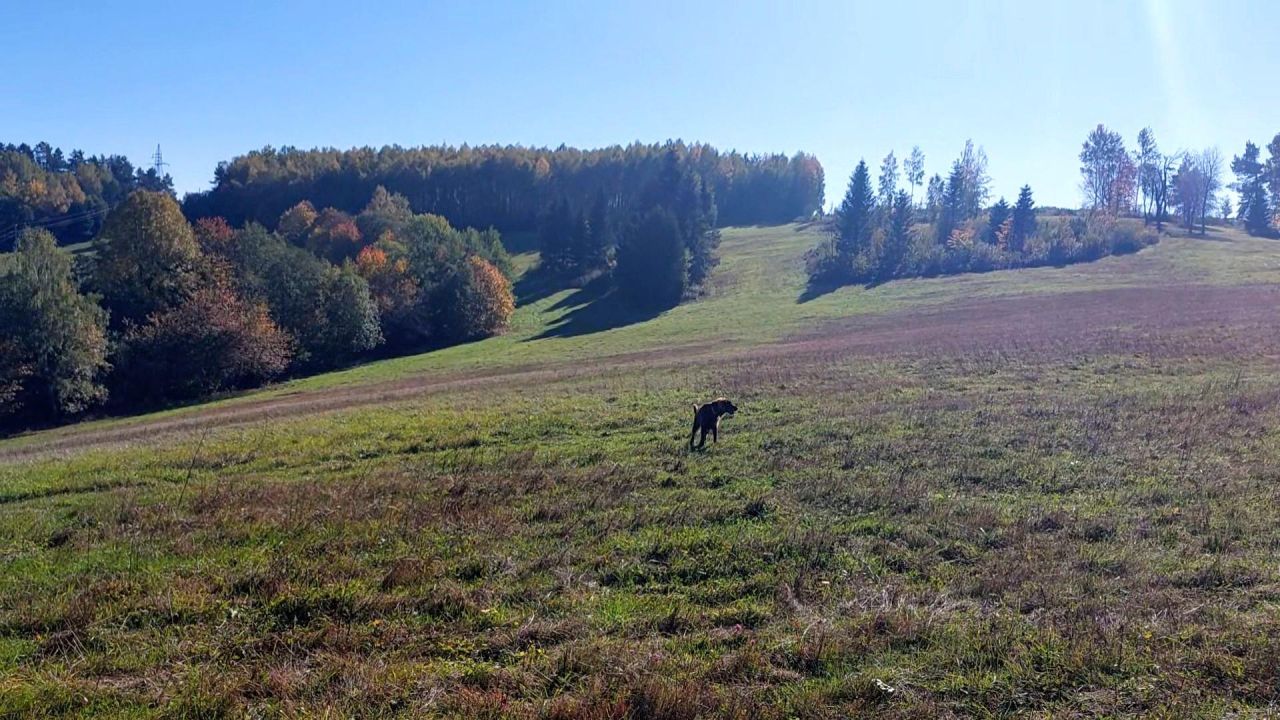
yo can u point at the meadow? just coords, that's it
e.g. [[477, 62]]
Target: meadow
[[1046, 492]]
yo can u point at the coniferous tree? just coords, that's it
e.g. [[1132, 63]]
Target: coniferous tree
[[1023, 220], [1000, 212], [603, 238], [897, 237], [555, 239], [652, 269], [1255, 211], [853, 217], [952, 211]]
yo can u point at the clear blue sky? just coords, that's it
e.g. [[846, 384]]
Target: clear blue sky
[[840, 79]]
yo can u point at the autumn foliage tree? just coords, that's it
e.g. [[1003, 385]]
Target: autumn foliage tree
[[394, 289], [334, 236], [476, 301], [213, 341]]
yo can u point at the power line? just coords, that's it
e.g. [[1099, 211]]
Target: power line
[[59, 221]]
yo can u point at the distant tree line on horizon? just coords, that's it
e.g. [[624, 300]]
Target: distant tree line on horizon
[[511, 187], [68, 194]]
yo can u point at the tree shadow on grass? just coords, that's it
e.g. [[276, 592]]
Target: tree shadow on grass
[[595, 307], [815, 290], [536, 285]]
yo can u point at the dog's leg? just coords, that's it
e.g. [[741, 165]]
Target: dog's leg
[[693, 433], [715, 431], [702, 441]]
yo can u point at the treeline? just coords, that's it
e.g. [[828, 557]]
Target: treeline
[[165, 311], [880, 232], [510, 188], [68, 194], [1183, 186]]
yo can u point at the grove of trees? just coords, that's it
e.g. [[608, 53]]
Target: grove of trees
[[164, 311], [879, 232]]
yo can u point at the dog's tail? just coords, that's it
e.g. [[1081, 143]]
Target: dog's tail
[[695, 407]]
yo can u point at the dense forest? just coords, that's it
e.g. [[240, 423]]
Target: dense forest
[[507, 187], [68, 194], [299, 262], [881, 231]]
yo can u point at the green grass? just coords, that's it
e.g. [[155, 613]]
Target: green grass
[[1051, 519]]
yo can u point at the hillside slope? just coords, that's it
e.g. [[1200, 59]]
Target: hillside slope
[[755, 299], [1040, 492]]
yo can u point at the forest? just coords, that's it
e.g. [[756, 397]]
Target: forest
[[299, 262], [507, 187]]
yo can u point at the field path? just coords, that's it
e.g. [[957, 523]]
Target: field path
[[1174, 320]]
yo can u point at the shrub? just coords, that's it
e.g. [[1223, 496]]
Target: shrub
[[213, 341]]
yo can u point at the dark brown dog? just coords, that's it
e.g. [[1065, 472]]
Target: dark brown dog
[[706, 418]]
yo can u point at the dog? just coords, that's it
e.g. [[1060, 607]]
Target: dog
[[706, 418]]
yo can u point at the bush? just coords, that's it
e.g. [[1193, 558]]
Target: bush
[[214, 341], [972, 247]]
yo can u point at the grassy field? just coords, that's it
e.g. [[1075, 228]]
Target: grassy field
[[1044, 492]]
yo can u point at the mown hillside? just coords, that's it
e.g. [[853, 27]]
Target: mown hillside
[[1032, 491]]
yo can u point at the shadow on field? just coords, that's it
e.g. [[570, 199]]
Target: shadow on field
[[595, 307], [813, 291]]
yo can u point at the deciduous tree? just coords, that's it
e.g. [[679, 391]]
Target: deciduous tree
[[53, 345]]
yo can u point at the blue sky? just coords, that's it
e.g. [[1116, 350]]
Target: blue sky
[[843, 80]]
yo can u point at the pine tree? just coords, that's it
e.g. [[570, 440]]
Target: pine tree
[[603, 236], [1255, 211], [555, 239], [1024, 220], [653, 263], [853, 217]]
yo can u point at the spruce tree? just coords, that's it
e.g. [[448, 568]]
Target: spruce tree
[[897, 238], [1024, 220], [853, 217]]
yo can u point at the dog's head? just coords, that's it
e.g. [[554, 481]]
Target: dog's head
[[724, 407]]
